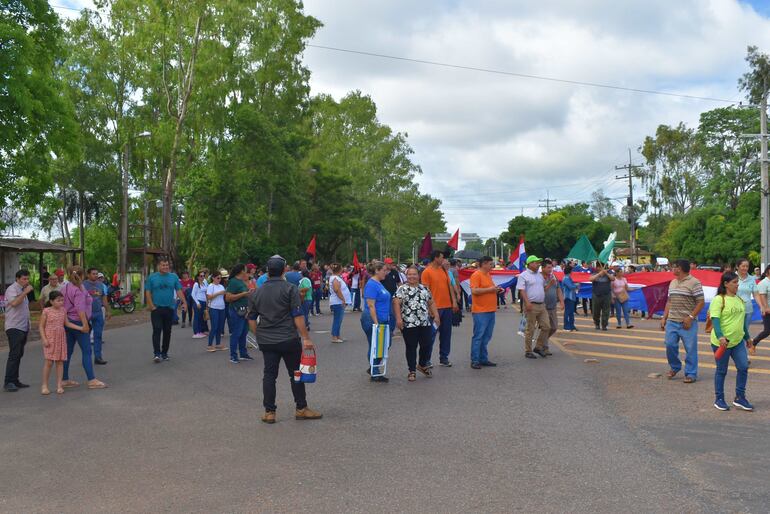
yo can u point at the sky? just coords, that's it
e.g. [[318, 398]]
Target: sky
[[491, 146]]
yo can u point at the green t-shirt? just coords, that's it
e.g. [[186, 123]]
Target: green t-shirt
[[305, 283], [163, 288], [236, 286], [731, 319]]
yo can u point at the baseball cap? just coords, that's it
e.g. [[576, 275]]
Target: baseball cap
[[276, 264], [533, 258], [100, 275], [388, 260], [59, 272], [251, 265]]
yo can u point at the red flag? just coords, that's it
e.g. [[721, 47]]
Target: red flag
[[356, 263], [454, 241], [427, 247], [311, 247]]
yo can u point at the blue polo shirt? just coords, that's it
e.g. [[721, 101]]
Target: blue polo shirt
[[374, 290], [163, 288]]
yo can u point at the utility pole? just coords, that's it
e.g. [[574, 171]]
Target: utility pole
[[123, 253], [629, 168], [548, 201], [765, 210]]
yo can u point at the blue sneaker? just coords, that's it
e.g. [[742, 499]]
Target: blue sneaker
[[247, 358], [720, 404], [743, 403], [165, 357], [235, 361]]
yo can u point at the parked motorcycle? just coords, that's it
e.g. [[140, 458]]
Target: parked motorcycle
[[127, 302]]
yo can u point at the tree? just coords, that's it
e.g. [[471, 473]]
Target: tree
[[601, 206], [756, 81], [554, 234], [728, 158], [36, 119]]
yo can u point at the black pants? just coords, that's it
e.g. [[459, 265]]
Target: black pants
[[291, 352], [601, 308], [161, 319], [414, 337], [765, 331], [16, 341]]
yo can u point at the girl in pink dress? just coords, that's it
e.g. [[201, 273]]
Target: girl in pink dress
[[52, 323]]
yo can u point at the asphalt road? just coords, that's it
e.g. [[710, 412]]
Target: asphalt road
[[554, 435]]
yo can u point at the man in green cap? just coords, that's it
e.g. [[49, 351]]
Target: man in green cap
[[531, 287]]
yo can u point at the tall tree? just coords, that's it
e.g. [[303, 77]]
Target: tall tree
[[36, 119]]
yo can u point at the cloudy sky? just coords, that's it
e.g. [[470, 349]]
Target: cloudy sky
[[491, 145]]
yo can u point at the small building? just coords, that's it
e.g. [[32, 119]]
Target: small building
[[11, 249], [642, 256]]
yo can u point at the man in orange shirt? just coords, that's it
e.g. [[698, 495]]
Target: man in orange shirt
[[484, 307], [436, 279]]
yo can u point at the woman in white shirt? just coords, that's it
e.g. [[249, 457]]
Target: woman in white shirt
[[199, 305], [215, 294], [339, 296]]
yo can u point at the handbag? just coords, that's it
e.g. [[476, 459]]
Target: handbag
[[709, 323], [241, 311], [308, 365], [622, 296]]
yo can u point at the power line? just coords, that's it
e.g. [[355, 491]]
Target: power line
[[523, 75]]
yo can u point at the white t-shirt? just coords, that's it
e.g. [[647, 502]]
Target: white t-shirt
[[217, 303], [199, 292], [333, 298], [356, 277]]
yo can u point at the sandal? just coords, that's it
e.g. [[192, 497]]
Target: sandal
[[412, 376], [425, 371], [211, 349], [671, 374], [96, 384], [60, 390], [45, 391], [70, 383]]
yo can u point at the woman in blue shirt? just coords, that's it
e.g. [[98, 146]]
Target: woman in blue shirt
[[376, 310], [570, 289]]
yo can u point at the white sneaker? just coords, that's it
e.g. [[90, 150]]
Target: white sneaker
[[198, 336]]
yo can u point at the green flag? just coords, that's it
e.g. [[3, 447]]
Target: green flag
[[583, 250], [608, 247]]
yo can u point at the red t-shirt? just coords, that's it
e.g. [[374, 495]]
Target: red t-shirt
[[316, 278]]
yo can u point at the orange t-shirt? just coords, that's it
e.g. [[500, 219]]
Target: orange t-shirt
[[485, 302], [437, 281]]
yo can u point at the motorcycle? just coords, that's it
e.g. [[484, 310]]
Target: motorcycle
[[127, 302]]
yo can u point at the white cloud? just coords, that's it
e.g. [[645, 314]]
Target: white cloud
[[486, 139]]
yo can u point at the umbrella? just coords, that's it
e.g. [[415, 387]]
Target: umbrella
[[469, 254]]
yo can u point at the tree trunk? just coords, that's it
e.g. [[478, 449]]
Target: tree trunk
[[168, 191]]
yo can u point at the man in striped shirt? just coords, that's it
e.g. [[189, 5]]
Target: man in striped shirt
[[680, 321]]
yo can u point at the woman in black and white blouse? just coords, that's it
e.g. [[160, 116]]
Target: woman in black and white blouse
[[414, 308]]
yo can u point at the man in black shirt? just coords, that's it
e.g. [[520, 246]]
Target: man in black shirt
[[278, 305], [391, 282], [601, 295], [393, 279]]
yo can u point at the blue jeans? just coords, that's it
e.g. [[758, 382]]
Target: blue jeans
[[307, 308], [317, 300], [444, 333], [188, 315], [217, 318], [339, 312], [483, 326], [84, 341], [356, 299], [198, 321], [97, 327], [674, 332], [569, 314], [239, 327], [741, 360], [625, 309], [366, 326]]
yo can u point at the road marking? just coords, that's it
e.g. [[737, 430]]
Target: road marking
[[643, 359], [632, 330], [642, 347], [642, 338]]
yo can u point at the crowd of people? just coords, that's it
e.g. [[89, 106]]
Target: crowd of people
[[420, 303]]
